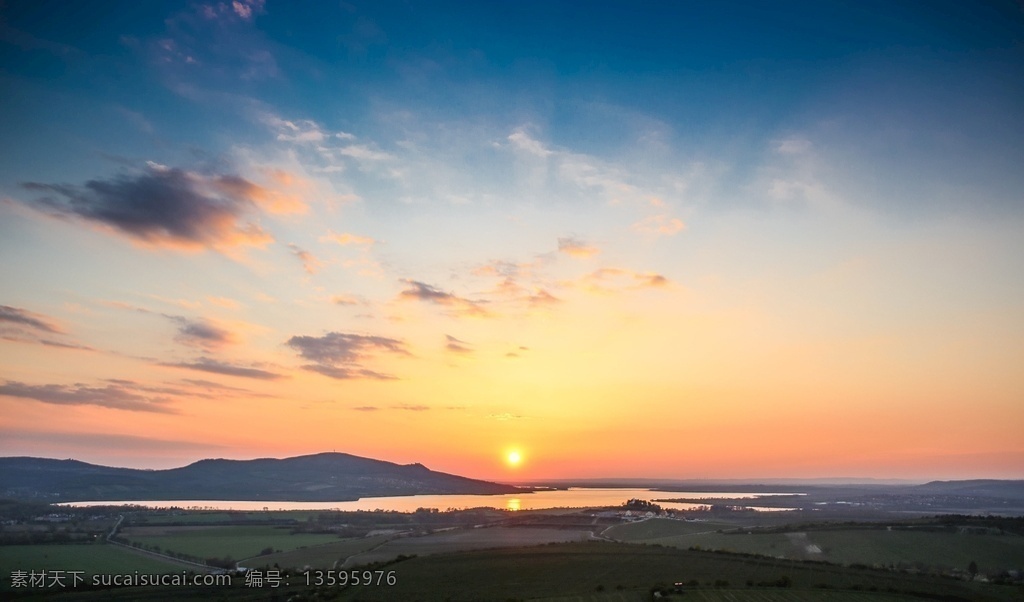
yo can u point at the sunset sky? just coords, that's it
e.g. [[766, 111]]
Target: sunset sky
[[663, 239]]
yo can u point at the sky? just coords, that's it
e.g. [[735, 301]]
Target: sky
[[621, 239]]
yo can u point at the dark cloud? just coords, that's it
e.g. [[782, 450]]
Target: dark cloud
[[162, 206], [119, 396], [461, 306], [23, 317], [366, 409], [343, 373], [338, 347], [340, 355], [216, 367], [200, 333], [61, 345], [411, 408]]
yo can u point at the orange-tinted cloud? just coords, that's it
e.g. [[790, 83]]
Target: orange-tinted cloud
[[164, 207], [459, 306], [309, 262], [659, 225], [574, 247]]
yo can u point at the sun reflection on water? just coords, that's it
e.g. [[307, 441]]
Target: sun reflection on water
[[513, 504]]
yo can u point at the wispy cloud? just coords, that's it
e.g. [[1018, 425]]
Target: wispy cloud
[[458, 306], [607, 280], [341, 355], [309, 261], [659, 225], [201, 333], [457, 346], [345, 239], [574, 247], [119, 396], [218, 367], [26, 318]]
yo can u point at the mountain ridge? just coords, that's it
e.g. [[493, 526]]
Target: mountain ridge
[[326, 476]]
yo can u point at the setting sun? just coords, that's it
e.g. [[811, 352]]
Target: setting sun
[[514, 458]]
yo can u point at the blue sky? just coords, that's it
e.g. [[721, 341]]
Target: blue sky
[[500, 224]]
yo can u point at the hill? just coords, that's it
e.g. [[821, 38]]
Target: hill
[[314, 478]]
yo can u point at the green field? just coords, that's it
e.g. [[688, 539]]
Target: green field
[[662, 527], [743, 595], [91, 558], [465, 539], [319, 556], [600, 568], [223, 541], [992, 553], [924, 549]]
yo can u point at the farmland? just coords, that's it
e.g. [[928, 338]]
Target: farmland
[[223, 541], [904, 547], [89, 558]]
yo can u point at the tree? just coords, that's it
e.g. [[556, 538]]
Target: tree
[[972, 569]]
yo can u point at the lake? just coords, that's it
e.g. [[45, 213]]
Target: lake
[[576, 497]]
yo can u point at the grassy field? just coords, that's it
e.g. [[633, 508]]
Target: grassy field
[[93, 559], [319, 556], [743, 595], [993, 553], [592, 571], [465, 539], [662, 527], [588, 569], [223, 541]]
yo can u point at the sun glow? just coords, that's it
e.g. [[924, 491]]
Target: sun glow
[[513, 458]]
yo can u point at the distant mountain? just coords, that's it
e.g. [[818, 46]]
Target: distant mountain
[[323, 477], [975, 488]]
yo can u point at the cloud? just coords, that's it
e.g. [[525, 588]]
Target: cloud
[[23, 317], [340, 355], [455, 345], [362, 152], [165, 207], [366, 408], [460, 306], [607, 280], [345, 239], [792, 146], [522, 141], [573, 247], [347, 373], [216, 367], [246, 8], [659, 225], [309, 262], [505, 416], [346, 300], [117, 396], [201, 333], [541, 297]]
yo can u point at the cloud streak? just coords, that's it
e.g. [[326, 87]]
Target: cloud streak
[[23, 317], [340, 355], [217, 367], [115, 396], [458, 306]]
